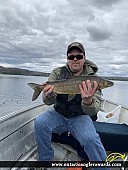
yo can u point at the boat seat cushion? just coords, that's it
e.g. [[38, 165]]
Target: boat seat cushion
[[114, 137]]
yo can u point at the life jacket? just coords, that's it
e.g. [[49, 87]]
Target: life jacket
[[67, 108]]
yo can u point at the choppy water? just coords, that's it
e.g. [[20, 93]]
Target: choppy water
[[16, 94]]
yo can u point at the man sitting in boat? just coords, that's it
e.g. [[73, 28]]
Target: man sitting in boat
[[71, 115]]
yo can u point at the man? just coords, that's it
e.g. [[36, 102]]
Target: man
[[73, 115]]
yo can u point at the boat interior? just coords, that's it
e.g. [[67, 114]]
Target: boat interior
[[17, 136]]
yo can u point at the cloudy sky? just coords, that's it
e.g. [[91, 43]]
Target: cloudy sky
[[34, 34]]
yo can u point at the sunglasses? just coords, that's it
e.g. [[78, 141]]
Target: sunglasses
[[78, 57]]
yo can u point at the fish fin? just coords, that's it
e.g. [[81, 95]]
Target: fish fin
[[36, 89], [32, 85], [35, 94], [71, 96]]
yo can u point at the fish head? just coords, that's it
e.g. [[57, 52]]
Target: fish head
[[104, 83]]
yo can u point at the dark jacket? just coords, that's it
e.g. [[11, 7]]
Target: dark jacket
[[74, 107]]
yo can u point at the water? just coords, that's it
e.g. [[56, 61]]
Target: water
[[15, 94], [117, 93]]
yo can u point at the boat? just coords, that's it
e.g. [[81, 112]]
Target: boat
[[17, 137]]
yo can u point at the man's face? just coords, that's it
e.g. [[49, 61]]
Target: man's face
[[76, 65]]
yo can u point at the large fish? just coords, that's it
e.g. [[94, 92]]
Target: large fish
[[70, 85]]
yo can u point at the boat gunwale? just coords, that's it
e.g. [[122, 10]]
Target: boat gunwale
[[15, 113], [115, 103]]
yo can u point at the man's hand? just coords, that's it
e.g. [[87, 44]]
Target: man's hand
[[87, 91], [48, 90]]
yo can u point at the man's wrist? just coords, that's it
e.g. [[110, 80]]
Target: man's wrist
[[87, 102], [51, 95]]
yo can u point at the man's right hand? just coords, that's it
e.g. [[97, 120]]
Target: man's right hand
[[48, 90]]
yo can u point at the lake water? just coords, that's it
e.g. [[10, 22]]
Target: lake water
[[15, 94]]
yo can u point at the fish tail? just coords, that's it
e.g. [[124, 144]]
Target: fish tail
[[36, 89]]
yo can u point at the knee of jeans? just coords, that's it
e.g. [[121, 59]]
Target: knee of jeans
[[39, 122], [89, 139]]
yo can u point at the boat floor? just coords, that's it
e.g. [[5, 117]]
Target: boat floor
[[20, 138], [63, 153]]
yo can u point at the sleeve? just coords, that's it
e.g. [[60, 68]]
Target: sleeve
[[50, 99], [95, 105]]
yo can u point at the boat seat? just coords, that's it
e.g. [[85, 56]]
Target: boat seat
[[114, 137]]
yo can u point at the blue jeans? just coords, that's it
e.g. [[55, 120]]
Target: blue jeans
[[81, 128]]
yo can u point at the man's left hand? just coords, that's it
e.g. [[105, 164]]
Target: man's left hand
[[87, 91]]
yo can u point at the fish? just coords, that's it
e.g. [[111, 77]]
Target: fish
[[70, 85]]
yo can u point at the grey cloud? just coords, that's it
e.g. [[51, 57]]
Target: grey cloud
[[122, 63], [98, 34], [81, 9], [103, 4], [100, 4], [35, 35]]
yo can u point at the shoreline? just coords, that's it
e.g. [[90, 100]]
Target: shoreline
[[115, 78], [25, 72]]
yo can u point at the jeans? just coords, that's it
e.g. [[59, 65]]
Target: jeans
[[81, 128]]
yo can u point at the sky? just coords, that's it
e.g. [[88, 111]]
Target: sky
[[34, 34]]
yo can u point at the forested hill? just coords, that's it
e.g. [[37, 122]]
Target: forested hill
[[18, 71]]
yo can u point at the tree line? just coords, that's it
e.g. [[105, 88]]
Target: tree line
[[18, 71]]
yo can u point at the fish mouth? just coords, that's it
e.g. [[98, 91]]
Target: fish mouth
[[111, 83]]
